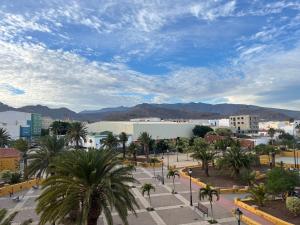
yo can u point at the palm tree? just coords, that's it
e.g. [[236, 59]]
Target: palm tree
[[110, 142], [132, 150], [173, 173], [210, 193], [42, 159], [76, 133], [123, 139], [23, 147], [259, 194], [145, 140], [7, 219], [204, 152], [235, 159], [269, 150], [4, 137], [147, 188], [272, 132], [93, 182]]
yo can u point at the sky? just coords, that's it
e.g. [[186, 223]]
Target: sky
[[94, 54]]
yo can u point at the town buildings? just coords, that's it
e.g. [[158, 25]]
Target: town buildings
[[244, 124], [21, 124]]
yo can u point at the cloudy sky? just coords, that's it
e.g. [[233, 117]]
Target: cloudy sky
[[103, 53]]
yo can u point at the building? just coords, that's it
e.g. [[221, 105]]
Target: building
[[9, 159], [21, 124], [47, 122], [157, 130], [244, 124]]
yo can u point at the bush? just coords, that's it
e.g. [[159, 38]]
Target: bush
[[10, 177], [259, 194], [293, 205], [248, 177], [280, 181]]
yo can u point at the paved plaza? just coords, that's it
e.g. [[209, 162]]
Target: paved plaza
[[170, 209]]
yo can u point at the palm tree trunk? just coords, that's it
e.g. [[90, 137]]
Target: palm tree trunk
[[124, 150], [94, 211], [147, 153], [212, 212], [149, 200], [134, 158], [206, 169], [174, 184], [273, 159], [77, 144]]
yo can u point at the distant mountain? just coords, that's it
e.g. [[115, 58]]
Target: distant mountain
[[164, 111]]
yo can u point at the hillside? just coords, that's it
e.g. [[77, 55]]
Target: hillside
[[165, 111]]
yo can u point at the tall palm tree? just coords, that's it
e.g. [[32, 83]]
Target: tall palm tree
[[272, 132], [4, 137], [147, 188], [123, 138], [173, 173], [210, 193], [203, 152], [145, 140], [110, 142], [42, 158], [76, 133], [23, 147], [132, 150], [7, 219], [235, 159], [94, 181]]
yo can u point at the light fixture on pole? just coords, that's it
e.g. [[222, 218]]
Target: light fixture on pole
[[238, 215], [191, 196], [168, 158], [162, 170]]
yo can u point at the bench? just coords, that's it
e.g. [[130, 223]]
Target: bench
[[35, 187], [16, 199], [159, 177], [202, 208]]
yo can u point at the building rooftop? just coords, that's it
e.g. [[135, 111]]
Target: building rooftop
[[9, 153]]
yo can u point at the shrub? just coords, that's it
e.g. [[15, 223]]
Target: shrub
[[259, 194], [280, 181], [10, 177], [293, 205], [248, 177]]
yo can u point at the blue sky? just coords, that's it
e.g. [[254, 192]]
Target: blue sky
[[94, 54]]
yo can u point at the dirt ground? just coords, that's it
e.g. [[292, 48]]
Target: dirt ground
[[277, 208]]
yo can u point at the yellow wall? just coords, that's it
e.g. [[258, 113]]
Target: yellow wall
[[289, 154], [18, 187], [9, 163]]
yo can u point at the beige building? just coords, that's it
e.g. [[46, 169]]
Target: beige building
[[244, 124]]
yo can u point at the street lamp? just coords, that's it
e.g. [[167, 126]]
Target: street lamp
[[238, 215], [162, 170], [191, 196], [168, 158]]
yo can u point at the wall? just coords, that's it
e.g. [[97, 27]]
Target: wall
[[114, 127], [6, 190], [9, 163]]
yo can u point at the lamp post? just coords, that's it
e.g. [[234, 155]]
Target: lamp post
[[191, 196], [238, 215], [168, 158], [162, 170]]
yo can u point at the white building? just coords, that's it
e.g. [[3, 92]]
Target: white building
[[157, 130], [47, 122], [94, 140]]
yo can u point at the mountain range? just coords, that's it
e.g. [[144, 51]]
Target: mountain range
[[164, 111]]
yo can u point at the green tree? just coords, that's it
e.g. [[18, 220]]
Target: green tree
[[248, 177], [145, 140], [42, 158], [110, 142], [293, 205], [76, 133], [132, 150], [10, 177], [203, 152], [4, 137], [280, 181], [123, 139], [269, 150], [226, 132], [210, 193], [23, 147], [173, 173], [223, 144], [91, 181], [272, 133], [59, 127], [147, 188], [8, 219], [201, 131], [162, 146], [259, 194], [235, 159]]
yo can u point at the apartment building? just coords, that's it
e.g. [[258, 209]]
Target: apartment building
[[244, 124]]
